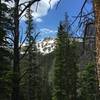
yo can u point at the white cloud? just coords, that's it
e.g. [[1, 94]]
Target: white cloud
[[43, 7], [47, 31], [38, 20], [42, 10], [53, 3]]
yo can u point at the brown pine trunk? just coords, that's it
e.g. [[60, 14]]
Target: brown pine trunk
[[16, 69], [97, 24]]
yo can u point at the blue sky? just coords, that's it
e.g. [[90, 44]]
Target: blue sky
[[47, 22], [54, 16], [72, 7]]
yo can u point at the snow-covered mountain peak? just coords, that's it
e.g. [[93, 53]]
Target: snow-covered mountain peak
[[46, 46]]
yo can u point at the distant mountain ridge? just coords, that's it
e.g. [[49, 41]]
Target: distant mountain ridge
[[47, 45]]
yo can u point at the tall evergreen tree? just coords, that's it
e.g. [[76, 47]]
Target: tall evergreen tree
[[65, 73], [5, 62], [34, 76]]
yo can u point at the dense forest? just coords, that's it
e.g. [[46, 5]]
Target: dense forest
[[66, 67]]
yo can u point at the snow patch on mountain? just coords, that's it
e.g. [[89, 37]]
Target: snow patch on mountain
[[46, 46]]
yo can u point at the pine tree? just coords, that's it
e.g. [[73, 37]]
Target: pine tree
[[87, 83], [5, 74], [5, 55], [65, 73], [5, 24], [34, 77]]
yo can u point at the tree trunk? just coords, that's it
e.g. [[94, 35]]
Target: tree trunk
[[16, 69], [97, 25]]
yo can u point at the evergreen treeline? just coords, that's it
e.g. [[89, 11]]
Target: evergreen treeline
[[33, 76]]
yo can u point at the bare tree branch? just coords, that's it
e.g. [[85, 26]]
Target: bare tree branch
[[58, 3], [36, 36], [85, 14], [30, 45], [28, 5], [23, 40], [79, 14], [9, 39], [37, 6], [24, 3]]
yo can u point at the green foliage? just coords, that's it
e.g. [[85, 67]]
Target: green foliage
[[2, 31], [5, 23], [43, 87], [46, 62], [5, 74], [87, 83], [65, 72], [31, 81], [5, 56]]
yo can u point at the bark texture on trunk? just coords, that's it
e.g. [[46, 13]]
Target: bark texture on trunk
[[97, 24], [16, 69]]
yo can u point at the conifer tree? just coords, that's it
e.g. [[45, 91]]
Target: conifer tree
[[34, 77], [87, 83], [65, 73], [5, 55]]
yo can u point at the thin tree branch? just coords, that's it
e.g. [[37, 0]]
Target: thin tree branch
[[37, 6], [85, 14], [79, 14], [29, 46], [58, 3], [36, 36], [23, 40], [9, 39], [24, 3], [28, 5]]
